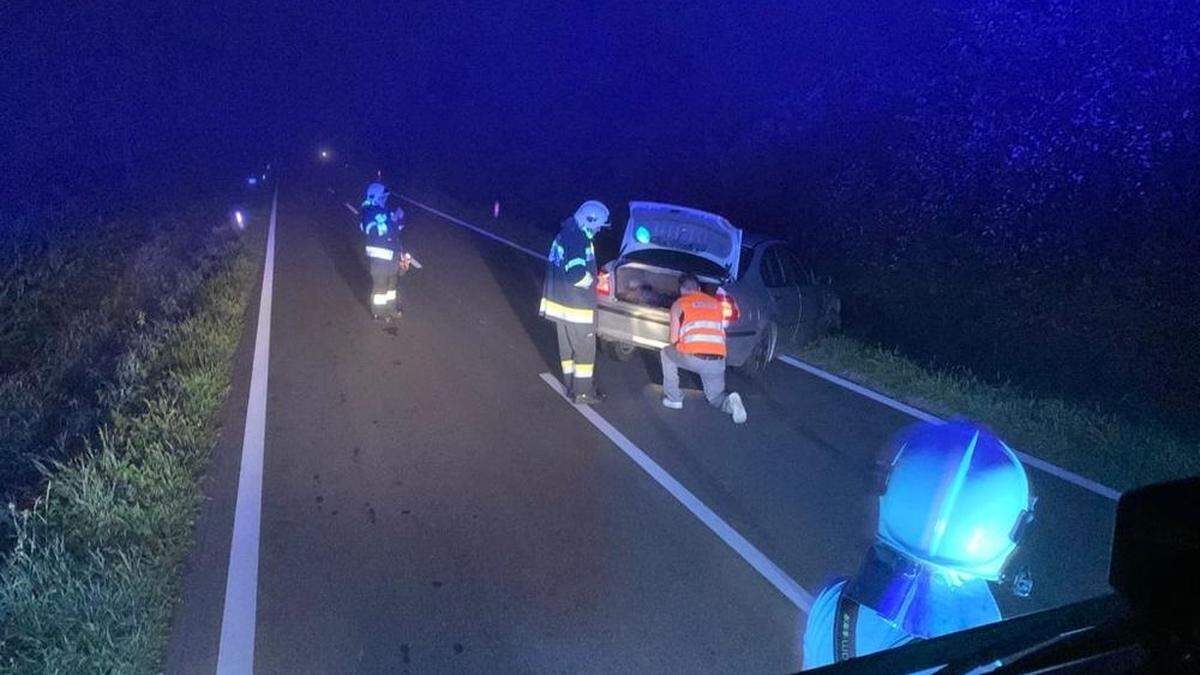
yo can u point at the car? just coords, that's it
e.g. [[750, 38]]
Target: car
[[768, 298]]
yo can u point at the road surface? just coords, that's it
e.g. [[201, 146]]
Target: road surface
[[430, 504]]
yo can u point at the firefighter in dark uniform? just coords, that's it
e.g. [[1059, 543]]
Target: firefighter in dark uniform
[[569, 298], [955, 504], [381, 230]]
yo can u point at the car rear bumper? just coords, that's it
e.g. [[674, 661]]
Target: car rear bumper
[[649, 327]]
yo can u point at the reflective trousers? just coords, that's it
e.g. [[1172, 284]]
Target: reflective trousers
[[711, 372], [384, 302], [577, 351]]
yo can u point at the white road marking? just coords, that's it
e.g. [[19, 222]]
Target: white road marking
[[238, 621], [477, 230], [351, 207], [1041, 464], [761, 564], [1052, 469]]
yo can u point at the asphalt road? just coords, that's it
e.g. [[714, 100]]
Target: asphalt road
[[430, 505]]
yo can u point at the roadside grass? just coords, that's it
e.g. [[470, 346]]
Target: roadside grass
[[94, 570], [1119, 452]]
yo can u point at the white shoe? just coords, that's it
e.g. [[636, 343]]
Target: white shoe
[[734, 404], [673, 405]]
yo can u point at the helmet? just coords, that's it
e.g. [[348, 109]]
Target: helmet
[[377, 195], [592, 215], [957, 498]]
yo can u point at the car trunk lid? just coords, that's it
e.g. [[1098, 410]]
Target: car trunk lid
[[655, 226]]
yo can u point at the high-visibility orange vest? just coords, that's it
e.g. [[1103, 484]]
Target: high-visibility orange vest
[[701, 330]]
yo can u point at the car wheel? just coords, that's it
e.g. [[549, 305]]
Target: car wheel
[[618, 351], [764, 353]]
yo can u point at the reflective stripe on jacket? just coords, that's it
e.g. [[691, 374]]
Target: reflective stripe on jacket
[[568, 293], [701, 327]]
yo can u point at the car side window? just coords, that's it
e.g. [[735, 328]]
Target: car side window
[[769, 268], [793, 271]]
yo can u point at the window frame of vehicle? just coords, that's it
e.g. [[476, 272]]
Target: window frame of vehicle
[[770, 270], [793, 271]]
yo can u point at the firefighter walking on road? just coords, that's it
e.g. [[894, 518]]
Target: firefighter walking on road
[[382, 232], [569, 298]]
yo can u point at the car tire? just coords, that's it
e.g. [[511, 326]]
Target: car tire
[[763, 353], [618, 351]]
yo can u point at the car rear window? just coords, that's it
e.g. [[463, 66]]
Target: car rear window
[[744, 261], [678, 260]]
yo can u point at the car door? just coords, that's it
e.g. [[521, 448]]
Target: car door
[[785, 296], [807, 307]]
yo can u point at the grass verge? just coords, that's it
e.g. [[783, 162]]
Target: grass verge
[[94, 573], [1118, 452]]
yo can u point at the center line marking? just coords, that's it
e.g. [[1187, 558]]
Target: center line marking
[[761, 564], [235, 655]]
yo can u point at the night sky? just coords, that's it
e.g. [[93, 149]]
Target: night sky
[[624, 95]]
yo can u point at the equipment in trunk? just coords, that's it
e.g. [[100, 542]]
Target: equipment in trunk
[[652, 286]]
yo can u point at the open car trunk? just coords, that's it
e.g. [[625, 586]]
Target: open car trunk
[[650, 286], [665, 229]]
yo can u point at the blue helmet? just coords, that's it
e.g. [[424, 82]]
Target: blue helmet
[[377, 195], [957, 498]]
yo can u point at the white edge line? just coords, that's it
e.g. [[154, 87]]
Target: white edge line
[[469, 226], [761, 564], [235, 654], [1041, 464]]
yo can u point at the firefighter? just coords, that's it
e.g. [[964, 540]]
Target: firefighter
[[698, 344], [381, 229], [954, 507], [569, 298]]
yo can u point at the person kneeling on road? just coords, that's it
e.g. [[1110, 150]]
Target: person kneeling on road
[[698, 345]]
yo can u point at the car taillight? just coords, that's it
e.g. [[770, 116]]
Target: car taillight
[[729, 308], [604, 284]]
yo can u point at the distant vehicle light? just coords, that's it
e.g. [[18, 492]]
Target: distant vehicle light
[[252, 180], [240, 218], [496, 209], [642, 234]]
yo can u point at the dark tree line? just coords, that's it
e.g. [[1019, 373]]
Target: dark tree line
[[1019, 195]]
